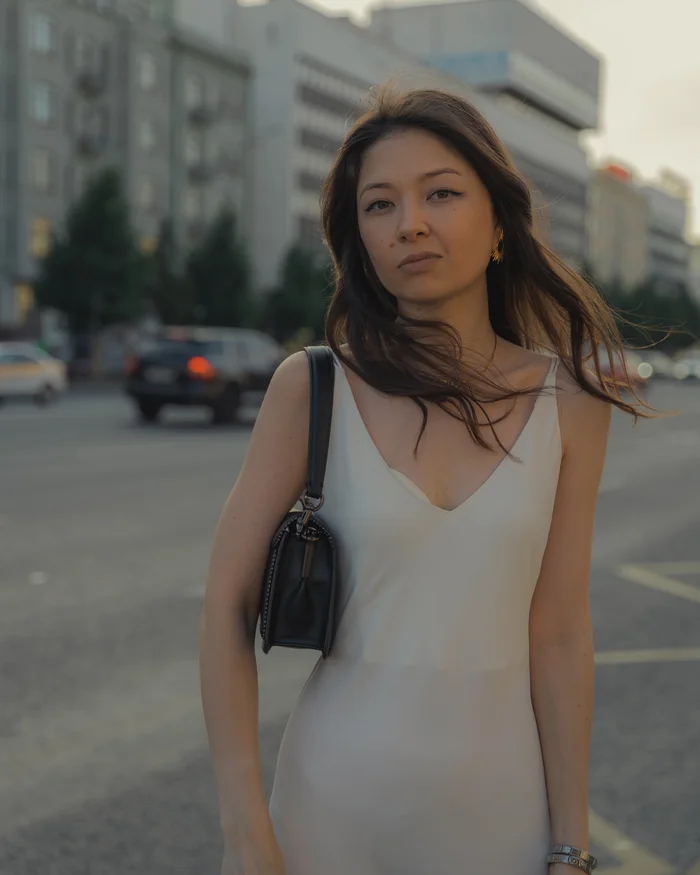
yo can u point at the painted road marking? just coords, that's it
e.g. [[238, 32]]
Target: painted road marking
[[636, 657], [674, 567], [634, 859], [645, 575]]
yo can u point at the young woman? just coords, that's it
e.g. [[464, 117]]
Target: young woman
[[448, 731]]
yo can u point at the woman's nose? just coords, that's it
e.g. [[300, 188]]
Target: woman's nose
[[412, 222]]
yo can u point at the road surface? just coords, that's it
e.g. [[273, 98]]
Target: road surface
[[105, 529]]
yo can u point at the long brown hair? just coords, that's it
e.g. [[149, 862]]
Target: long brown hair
[[535, 299]]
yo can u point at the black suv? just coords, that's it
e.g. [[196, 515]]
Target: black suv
[[205, 367]]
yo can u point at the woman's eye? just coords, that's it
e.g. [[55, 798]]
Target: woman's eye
[[443, 194], [377, 205]]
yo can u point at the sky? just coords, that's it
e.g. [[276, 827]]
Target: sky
[[650, 97]]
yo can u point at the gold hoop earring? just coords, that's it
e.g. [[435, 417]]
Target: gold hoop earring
[[497, 254]]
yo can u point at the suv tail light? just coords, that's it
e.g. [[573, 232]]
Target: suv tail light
[[200, 368], [132, 365]]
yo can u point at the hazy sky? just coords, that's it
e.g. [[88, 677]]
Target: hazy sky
[[651, 81]]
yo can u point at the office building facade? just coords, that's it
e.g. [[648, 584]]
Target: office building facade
[[618, 219], [637, 229], [86, 84], [668, 251]]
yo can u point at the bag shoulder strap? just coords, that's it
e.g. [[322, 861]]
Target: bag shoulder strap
[[322, 378]]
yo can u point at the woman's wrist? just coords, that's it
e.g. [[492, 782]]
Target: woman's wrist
[[564, 858]]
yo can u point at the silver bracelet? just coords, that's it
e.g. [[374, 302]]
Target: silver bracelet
[[573, 856]]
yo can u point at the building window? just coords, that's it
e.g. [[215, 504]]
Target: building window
[[214, 97], [42, 170], [194, 204], [147, 72], [147, 194], [194, 150], [147, 135], [309, 181], [85, 53], [42, 33], [337, 106], [43, 104], [194, 92], [40, 237]]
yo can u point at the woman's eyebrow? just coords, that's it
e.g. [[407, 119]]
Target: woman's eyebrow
[[429, 175]]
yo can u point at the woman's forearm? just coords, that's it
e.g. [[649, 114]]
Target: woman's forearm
[[561, 680], [229, 685]]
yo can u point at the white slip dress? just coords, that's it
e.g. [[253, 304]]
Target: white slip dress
[[413, 749]]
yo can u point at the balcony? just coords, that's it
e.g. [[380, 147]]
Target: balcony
[[201, 172], [203, 115], [91, 145], [91, 83]]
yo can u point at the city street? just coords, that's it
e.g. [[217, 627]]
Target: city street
[[105, 530]]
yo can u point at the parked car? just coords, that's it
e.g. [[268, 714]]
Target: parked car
[[215, 368], [27, 372]]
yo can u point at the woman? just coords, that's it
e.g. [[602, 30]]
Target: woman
[[449, 729]]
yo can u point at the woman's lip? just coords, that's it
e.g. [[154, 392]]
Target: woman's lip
[[418, 264]]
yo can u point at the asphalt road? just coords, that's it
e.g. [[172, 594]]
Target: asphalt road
[[105, 529]]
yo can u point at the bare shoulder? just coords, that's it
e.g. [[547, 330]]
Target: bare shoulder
[[290, 382], [584, 419]]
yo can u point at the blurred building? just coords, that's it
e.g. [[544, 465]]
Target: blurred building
[[618, 221], [637, 229], [543, 88], [90, 83], [668, 200]]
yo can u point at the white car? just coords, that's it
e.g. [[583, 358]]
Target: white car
[[27, 372]]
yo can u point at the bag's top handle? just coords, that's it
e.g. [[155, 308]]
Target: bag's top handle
[[322, 378]]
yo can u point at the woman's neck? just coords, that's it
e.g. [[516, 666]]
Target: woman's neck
[[469, 319]]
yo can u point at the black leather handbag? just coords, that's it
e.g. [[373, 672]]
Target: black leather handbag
[[298, 599]]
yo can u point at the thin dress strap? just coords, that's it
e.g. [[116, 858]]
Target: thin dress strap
[[551, 378]]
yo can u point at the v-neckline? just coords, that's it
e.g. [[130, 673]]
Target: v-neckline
[[407, 482]]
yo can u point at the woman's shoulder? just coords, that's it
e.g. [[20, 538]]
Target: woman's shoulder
[[286, 402], [584, 419], [291, 377]]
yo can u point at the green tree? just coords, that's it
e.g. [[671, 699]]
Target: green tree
[[219, 274], [93, 272], [170, 292], [651, 315], [300, 298]]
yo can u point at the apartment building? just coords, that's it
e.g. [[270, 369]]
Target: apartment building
[[542, 88], [637, 228], [668, 251], [86, 84], [618, 219]]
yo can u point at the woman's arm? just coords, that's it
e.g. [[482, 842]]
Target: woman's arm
[[271, 479], [561, 638]]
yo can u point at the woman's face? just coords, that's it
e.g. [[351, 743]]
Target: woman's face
[[425, 218]]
